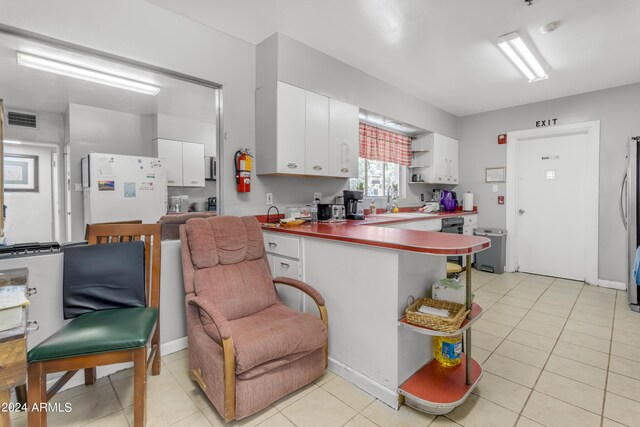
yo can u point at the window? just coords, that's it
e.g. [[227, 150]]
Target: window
[[382, 155], [375, 177]]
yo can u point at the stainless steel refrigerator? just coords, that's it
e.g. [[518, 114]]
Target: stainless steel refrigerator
[[629, 203]]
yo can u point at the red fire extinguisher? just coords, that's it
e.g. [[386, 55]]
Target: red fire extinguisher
[[243, 161]]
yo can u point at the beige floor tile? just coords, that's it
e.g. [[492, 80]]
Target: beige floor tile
[[124, 373], [626, 351], [64, 396], [606, 422], [624, 386], [549, 331], [570, 391], [517, 302], [591, 318], [115, 419], [556, 311], [85, 407], [155, 384], [582, 354], [195, 420], [168, 358], [166, 407], [528, 295], [443, 421], [480, 354], [510, 310], [578, 371], [561, 294], [277, 420], [502, 392], [624, 367], [318, 408], [501, 318], [180, 369], [546, 319], [522, 353], [360, 421], [531, 340], [627, 338], [622, 410], [584, 340], [296, 395], [555, 413], [196, 394], [484, 303], [348, 393], [486, 341], [492, 328], [555, 301], [513, 370], [588, 328], [593, 309], [385, 416], [526, 422], [326, 376], [251, 421], [487, 295], [478, 412]]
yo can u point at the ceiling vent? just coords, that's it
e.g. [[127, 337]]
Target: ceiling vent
[[25, 120]]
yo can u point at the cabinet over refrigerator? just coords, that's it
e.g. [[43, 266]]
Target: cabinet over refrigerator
[[123, 188]]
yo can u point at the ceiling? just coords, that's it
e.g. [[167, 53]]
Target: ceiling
[[444, 51], [26, 89]]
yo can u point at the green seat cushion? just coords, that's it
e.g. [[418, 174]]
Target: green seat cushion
[[98, 332]]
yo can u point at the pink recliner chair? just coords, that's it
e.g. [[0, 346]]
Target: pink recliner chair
[[246, 348]]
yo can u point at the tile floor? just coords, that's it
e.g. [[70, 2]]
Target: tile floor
[[555, 353]]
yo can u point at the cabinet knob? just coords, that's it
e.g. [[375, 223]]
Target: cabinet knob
[[317, 168], [32, 325], [292, 165], [344, 170]]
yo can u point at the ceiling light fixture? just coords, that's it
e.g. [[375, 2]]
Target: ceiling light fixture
[[83, 73], [522, 57]]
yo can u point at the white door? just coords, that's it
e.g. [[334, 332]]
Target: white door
[[192, 164], [551, 206], [317, 135]]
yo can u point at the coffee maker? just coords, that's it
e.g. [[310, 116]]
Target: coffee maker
[[351, 200]]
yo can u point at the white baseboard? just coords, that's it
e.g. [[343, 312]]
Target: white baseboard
[[612, 285], [374, 388], [103, 371]]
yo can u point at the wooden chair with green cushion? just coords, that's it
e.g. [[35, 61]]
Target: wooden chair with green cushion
[[107, 335]]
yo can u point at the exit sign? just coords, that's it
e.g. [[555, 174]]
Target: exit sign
[[546, 122]]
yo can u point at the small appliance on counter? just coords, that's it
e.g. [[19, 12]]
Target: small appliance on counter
[[199, 206], [328, 212], [448, 200], [432, 207], [212, 204], [174, 204], [351, 200]]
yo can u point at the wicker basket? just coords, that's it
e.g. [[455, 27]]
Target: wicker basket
[[457, 314]]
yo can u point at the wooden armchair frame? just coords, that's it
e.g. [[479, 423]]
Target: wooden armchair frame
[[143, 359]]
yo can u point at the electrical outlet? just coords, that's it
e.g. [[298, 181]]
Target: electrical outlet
[[422, 197], [495, 188], [269, 198], [317, 196]]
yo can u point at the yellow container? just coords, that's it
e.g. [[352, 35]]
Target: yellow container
[[448, 350]]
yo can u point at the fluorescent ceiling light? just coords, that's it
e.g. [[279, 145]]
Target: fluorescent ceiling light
[[12, 141], [522, 57], [82, 73]]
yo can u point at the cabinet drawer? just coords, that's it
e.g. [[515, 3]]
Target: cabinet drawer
[[281, 245], [470, 220], [286, 268], [467, 230]]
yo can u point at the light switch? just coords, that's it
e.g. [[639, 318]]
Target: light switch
[[78, 187], [495, 188]]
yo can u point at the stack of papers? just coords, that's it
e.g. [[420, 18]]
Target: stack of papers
[[12, 297]]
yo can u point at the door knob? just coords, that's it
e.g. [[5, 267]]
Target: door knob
[[521, 211]]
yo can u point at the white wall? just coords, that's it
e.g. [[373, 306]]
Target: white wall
[[104, 131], [618, 110], [30, 213]]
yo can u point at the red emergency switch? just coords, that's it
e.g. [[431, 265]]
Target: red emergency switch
[[502, 138], [501, 200]]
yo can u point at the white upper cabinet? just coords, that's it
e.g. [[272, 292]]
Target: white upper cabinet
[[441, 159], [299, 132], [192, 164], [184, 162], [344, 138], [317, 134]]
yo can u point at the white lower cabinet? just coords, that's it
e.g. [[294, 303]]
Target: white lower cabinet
[[285, 260]]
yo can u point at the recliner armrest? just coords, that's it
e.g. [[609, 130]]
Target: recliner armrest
[[298, 284], [215, 315]]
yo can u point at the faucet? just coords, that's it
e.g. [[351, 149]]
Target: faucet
[[269, 213], [389, 198]]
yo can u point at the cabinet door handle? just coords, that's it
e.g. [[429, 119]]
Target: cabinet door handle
[[317, 168], [171, 181], [272, 245], [31, 291], [344, 170], [194, 182], [292, 165], [284, 265], [32, 325]]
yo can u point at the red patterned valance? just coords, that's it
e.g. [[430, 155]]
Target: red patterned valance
[[380, 144]]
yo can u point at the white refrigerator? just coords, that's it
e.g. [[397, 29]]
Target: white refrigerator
[[123, 188]]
